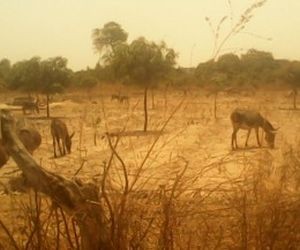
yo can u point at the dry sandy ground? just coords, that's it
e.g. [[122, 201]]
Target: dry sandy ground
[[191, 137]]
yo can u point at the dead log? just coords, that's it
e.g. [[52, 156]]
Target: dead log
[[79, 201]]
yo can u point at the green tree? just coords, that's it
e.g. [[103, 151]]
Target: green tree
[[142, 62], [107, 38], [257, 64], [26, 75], [86, 80], [54, 77], [215, 76], [222, 38], [5, 68], [217, 84], [204, 71], [292, 77], [229, 64]]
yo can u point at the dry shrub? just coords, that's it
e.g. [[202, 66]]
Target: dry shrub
[[256, 210], [252, 211], [38, 224]]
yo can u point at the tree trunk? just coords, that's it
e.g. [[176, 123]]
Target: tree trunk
[[47, 104], [166, 99], [215, 105], [146, 109], [79, 201], [295, 93]]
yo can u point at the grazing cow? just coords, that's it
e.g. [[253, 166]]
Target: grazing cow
[[248, 119], [59, 132]]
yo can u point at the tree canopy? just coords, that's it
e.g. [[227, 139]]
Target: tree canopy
[[106, 38], [26, 75], [54, 75], [35, 75], [5, 67], [251, 67], [142, 61]]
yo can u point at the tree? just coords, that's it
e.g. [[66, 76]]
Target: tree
[[54, 77], [33, 75], [292, 77], [144, 63], [229, 64], [257, 63], [237, 26], [217, 75], [26, 75], [204, 71], [5, 68], [106, 39]]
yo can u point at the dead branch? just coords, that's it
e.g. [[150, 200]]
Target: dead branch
[[70, 197], [9, 235]]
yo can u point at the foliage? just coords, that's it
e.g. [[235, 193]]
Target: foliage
[[34, 75], [26, 75], [142, 61], [292, 74], [216, 75], [54, 75], [107, 38], [256, 63], [227, 64], [237, 26], [89, 82], [252, 67], [5, 67], [182, 77]]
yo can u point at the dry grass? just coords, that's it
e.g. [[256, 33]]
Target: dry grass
[[180, 189]]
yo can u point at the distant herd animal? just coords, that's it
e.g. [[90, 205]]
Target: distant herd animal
[[120, 98], [244, 119]]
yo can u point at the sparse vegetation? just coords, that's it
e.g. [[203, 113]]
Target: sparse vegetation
[[176, 183]]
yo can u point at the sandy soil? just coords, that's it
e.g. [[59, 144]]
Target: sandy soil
[[191, 137]]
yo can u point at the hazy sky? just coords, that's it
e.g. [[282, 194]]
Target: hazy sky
[[49, 28]]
